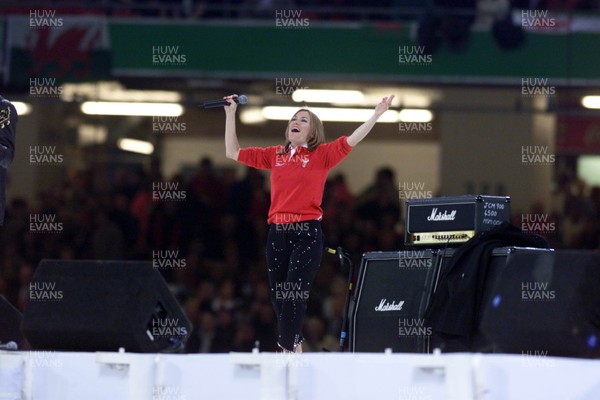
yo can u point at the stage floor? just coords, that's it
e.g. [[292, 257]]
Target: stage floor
[[38, 375]]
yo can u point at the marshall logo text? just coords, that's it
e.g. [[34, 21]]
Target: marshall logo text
[[385, 306], [438, 216]]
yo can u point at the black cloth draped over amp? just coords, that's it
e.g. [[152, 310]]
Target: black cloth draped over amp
[[454, 310], [8, 129]]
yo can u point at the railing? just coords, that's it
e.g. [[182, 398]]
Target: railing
[[397, 11], [230, 9]]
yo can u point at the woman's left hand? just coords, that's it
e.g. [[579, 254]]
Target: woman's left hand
[[384, 105]]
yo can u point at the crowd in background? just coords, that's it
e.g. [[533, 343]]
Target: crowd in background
[[216, 232]]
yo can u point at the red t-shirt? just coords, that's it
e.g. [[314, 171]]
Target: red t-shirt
[[297, 178]]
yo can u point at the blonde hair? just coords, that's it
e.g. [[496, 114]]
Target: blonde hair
[[316, 135]]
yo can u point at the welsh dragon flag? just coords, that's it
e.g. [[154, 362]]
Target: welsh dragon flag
[[47, 45]]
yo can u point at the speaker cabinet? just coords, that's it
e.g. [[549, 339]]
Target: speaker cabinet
[[10, 323], [392, 293], [546, 303], [102, 306], [494, 267]]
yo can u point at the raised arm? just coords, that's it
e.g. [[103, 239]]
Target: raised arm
[[232, 146], [362, 131]]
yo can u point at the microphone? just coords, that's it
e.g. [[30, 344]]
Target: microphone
[[242, 99]]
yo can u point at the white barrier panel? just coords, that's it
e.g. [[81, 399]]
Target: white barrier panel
[[310, 376], [536, 376], [12, 376]]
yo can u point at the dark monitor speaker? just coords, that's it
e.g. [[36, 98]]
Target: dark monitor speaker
[[546, 303], [492, 269], [93, 305], [10, 324]]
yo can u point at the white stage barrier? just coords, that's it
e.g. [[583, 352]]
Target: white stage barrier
[[39, 375]]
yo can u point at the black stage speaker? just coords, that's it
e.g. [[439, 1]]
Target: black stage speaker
[[10, 323], [392, 293], [546, 303], [102, 306], [495, 267]]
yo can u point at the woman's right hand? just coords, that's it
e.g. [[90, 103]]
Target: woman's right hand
[[230, 109]]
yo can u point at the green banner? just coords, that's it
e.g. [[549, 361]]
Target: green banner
[[91, 48], [361, 51]]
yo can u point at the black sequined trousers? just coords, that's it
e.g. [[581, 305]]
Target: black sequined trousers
[[294, 254]]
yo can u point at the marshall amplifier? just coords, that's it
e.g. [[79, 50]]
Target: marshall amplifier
[[452, 220], [392, 293]]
